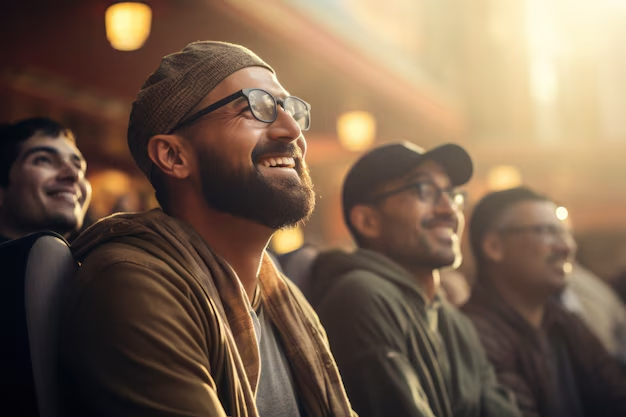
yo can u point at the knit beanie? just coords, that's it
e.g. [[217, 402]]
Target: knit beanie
[[182, 80]]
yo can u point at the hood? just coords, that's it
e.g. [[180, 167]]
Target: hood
[[135, 227], [330, 267]]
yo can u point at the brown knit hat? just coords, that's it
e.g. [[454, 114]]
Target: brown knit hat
[[182, 80]]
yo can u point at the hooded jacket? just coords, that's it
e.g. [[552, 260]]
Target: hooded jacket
[[159, 325], [391, 361]]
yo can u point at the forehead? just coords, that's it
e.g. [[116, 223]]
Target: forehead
[[530, 212], [62, 144], [250, 77]]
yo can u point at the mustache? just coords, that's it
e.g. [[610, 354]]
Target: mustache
[[282, 148], [559, 256], [441, 220]]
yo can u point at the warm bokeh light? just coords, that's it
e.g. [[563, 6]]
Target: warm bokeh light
[[568, 267], [287, 240], [356, 130], [561, 213], [128, 25], [503, 177]]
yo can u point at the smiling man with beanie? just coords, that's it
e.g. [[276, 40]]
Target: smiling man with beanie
[[179, 311]]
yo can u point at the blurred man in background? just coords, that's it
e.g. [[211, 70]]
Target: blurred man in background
[[42, 179], [555, 365], [402, 349]]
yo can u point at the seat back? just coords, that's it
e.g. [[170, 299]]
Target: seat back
[[35, 272]]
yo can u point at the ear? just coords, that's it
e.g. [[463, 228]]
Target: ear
[[492, 247], [171, 154], [366, 221]]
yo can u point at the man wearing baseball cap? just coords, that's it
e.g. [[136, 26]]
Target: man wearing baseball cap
[[401, 348], [179, 311]]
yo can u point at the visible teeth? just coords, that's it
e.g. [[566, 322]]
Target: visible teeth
[[283, 161]]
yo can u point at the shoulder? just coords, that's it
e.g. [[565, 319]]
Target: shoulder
[[112, 259], [497, 338], [120, 277], [363, 289]]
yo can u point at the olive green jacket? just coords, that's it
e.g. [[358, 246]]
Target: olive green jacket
[[392, 361]]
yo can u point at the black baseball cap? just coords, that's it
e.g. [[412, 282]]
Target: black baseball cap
[[393, 160]]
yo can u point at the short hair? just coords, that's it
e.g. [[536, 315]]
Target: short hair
[[489, 211], [12, 136]]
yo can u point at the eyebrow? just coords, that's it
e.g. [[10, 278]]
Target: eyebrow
[[416, 177], [51, 150]]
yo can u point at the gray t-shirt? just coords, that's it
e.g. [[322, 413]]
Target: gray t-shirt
[[276, 394]]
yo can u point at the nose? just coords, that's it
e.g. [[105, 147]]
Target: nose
[[565, 243], [70, 172], [445, 204], [284, 128]]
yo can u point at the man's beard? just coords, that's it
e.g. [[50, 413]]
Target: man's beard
[[272, 202]]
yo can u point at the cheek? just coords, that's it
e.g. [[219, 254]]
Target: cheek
[[29, 182], [235, 147], [303, 145], [527, 253], [85, 187]]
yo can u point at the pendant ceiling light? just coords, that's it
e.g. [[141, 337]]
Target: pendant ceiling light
[[128, 25]]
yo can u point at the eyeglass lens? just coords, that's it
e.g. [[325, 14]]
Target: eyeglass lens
[[263, 107], [429, 193]]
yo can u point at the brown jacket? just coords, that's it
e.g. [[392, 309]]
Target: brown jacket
[[158, 325], [518, 353]]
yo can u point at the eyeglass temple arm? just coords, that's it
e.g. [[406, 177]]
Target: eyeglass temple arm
[[207, 110]]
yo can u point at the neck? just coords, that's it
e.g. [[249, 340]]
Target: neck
[[239, 241], [530, 307], [429, 281], [9, 233], [6, 230], [427, 278]]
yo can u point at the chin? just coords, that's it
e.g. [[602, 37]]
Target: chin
[[64, 223], [558, 285], [446, 257], [438, 262]]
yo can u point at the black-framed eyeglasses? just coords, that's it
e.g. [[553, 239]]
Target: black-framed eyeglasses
[[263, 106], [545, 231], [428, 193]]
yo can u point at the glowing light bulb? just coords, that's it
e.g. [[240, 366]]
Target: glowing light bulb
[[128, 25], [503, 177], [356, 130], [561, 213], [287, 240]]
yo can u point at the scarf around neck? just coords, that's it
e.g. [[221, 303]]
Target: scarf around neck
[[316, 375]]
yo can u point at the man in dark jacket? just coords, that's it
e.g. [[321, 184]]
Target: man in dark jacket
[[401, 348], [555, 365]]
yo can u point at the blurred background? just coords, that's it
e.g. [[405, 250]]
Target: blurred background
[[534, 89]]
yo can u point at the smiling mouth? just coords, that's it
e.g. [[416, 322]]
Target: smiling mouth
[[68, 196], [278, 162]]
